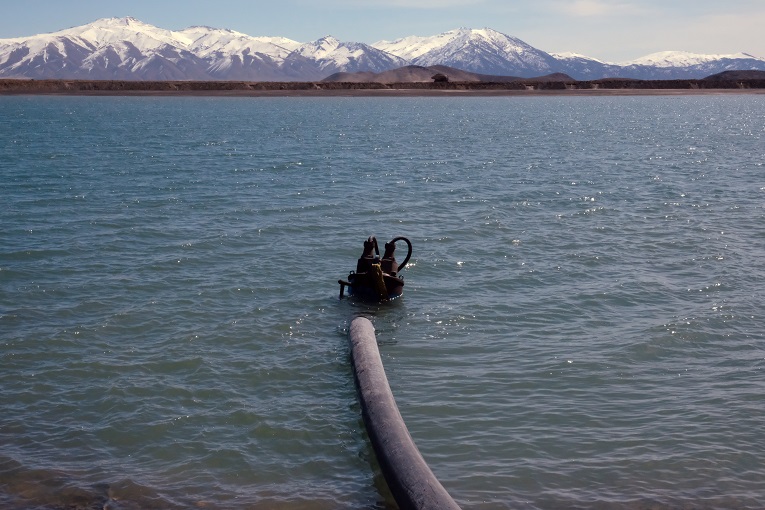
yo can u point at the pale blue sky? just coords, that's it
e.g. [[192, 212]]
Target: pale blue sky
[[611, 30]]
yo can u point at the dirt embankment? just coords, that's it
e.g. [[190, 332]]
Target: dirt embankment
[[238, 88]]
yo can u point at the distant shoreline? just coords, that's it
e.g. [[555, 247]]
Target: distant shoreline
[[530, 88]]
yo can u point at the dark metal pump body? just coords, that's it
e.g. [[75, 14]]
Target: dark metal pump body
[[377, 279]]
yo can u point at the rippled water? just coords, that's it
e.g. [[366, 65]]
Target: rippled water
[[582, 325]]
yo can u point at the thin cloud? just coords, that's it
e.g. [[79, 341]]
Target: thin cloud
[[407, 4], [598, 8], [429, 4], [726, 32]]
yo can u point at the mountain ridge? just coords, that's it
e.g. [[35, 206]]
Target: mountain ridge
[[129, 49]]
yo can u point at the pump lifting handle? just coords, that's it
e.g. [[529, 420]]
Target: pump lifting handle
[[408, 252]]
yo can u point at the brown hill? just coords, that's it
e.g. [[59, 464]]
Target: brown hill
[[421, 74], [737, 75], [406, 74], [549, 78]]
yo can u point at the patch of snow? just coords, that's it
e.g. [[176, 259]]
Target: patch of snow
[[575, 56]]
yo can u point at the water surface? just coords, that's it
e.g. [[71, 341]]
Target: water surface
[[582, 324]]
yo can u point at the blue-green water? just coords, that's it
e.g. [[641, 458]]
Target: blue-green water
[[582, 325]]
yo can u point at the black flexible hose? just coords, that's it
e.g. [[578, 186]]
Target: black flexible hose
[[409, 252]]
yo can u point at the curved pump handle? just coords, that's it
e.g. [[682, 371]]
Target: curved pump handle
[[408, 253]]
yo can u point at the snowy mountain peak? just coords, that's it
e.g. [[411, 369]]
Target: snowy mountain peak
[[484, 50], [327, 43], [331, 55], [118, 25], [207, 28], [126, 20], [415, 47], [107, 31], [682, 59], [321, 48], [111, 23], [223, 43]]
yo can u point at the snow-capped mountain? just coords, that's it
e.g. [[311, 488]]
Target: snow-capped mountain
[[665, 65], [328, 56], [582, 67], [681, 59], [484, 51], [125, 48], [114, 48], [128, 49], [232, 55], [682, 64]]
